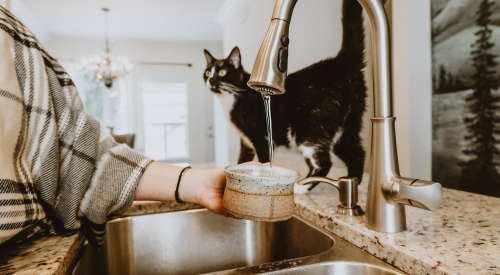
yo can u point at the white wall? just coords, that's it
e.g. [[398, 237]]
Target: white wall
[[412, 72], [316, 34], [200, 98], [19, 9]]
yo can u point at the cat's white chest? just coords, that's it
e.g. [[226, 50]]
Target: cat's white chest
[[227, 102]]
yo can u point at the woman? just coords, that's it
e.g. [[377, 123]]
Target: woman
[[57, 173]]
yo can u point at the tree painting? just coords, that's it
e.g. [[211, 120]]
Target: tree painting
[[482, 119], [466, 100]]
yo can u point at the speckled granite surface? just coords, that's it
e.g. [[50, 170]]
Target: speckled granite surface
[[49, 255], [152, 207], [462, 237]]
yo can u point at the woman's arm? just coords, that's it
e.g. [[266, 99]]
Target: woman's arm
[[200, 186]]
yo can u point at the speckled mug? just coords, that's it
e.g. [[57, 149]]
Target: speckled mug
[[257, 192]]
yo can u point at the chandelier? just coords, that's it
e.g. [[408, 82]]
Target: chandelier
[[105, 68]]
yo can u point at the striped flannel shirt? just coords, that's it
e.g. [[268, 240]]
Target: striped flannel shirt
[[57, 172]]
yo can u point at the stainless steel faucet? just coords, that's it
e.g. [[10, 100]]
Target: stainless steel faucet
[[388, 192]]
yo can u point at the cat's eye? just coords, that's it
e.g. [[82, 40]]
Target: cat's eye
[[222, 73], [207, 73]]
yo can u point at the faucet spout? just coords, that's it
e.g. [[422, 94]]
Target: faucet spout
[[271, 66], [388, 192]]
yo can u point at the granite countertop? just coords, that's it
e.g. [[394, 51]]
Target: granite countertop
[[48, 255], [460, 238]]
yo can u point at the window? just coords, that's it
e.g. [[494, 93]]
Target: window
[[165, 107]]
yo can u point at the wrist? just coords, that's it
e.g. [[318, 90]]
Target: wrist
[[190, 186], [182, 172]]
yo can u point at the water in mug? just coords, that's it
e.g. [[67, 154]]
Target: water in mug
[[269, 123]]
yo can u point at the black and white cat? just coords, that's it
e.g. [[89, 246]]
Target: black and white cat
[[320, 113]]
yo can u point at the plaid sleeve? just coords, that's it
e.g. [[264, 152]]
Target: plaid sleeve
[[99, 176], [114, 181], [56, 156]]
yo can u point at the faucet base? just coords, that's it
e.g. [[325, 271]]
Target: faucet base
[[383, 214], [389, 218], [352, 212]]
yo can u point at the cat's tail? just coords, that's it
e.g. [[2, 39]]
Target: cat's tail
[[353, 41]]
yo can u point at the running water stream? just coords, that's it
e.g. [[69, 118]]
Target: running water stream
[[269, 123]]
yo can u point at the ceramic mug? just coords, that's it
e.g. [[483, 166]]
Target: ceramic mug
[[260, 193]]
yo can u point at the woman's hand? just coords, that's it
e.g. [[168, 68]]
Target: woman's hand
[[211, 189], [204, 187]]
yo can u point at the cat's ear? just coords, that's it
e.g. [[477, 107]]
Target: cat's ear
[[235, 57], [208, 56]]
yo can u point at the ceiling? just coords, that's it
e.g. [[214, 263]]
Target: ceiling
[[172, 20]]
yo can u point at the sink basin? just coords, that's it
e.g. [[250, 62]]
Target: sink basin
[[198, 242], [340, 268]]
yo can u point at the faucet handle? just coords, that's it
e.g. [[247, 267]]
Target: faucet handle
[[348, 193], [417, 193]]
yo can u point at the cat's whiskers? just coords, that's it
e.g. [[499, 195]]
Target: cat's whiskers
[[231, 87], [227, 90]]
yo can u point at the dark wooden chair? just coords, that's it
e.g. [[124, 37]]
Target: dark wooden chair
[[128, 139]]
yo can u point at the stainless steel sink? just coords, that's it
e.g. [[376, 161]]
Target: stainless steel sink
[[198, 241], [341, 268]]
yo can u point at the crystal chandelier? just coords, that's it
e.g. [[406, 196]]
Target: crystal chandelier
[[106, 68]]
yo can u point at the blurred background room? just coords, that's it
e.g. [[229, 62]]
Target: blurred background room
[[154, 96]]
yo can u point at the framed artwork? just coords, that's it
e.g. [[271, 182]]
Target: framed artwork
[[466, 94]]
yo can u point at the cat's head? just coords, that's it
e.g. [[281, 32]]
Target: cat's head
[[225, 75]]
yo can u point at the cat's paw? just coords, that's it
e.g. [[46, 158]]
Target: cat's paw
[[301, 189]]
